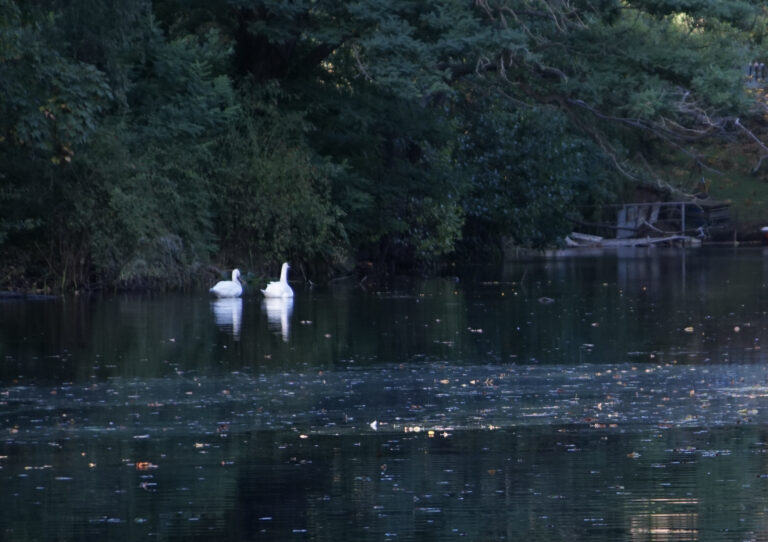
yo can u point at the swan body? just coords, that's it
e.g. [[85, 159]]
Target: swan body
[[228, 288], [279, 288]]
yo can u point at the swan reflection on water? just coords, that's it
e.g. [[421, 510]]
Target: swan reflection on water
[[279, 311], [228, 313]]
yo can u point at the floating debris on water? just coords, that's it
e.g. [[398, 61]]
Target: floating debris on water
[[416, 397]]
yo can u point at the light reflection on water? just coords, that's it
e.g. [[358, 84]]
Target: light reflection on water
[[228, 313], [600, 399], [279, 311]]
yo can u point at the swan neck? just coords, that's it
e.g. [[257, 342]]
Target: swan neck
[[284, 274]]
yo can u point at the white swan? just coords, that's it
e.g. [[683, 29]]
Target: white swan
[[228, 288], [279, 288]]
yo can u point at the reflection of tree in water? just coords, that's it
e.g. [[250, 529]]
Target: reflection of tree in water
[[552, 483], [277, 480], [622, 445], [549, 482]]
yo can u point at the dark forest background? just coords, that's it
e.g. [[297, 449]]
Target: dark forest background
[[150, 143]]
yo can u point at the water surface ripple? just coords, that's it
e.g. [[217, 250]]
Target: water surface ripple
[[620, 397]]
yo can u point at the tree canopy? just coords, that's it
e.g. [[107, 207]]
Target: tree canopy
[[142, 141]]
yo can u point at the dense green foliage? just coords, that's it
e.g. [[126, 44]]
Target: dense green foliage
[[142, 141]]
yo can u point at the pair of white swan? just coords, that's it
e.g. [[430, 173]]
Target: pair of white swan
[[233, 288]]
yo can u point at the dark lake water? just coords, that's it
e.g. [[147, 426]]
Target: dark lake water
[[622, 397]]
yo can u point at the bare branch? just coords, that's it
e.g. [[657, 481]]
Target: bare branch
[[754, 138], [669, 136], [679, 121], [759, 164], [485, 7], [360, 66]]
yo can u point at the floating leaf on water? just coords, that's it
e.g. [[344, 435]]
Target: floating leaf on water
[[714, 453], [688, 329]]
